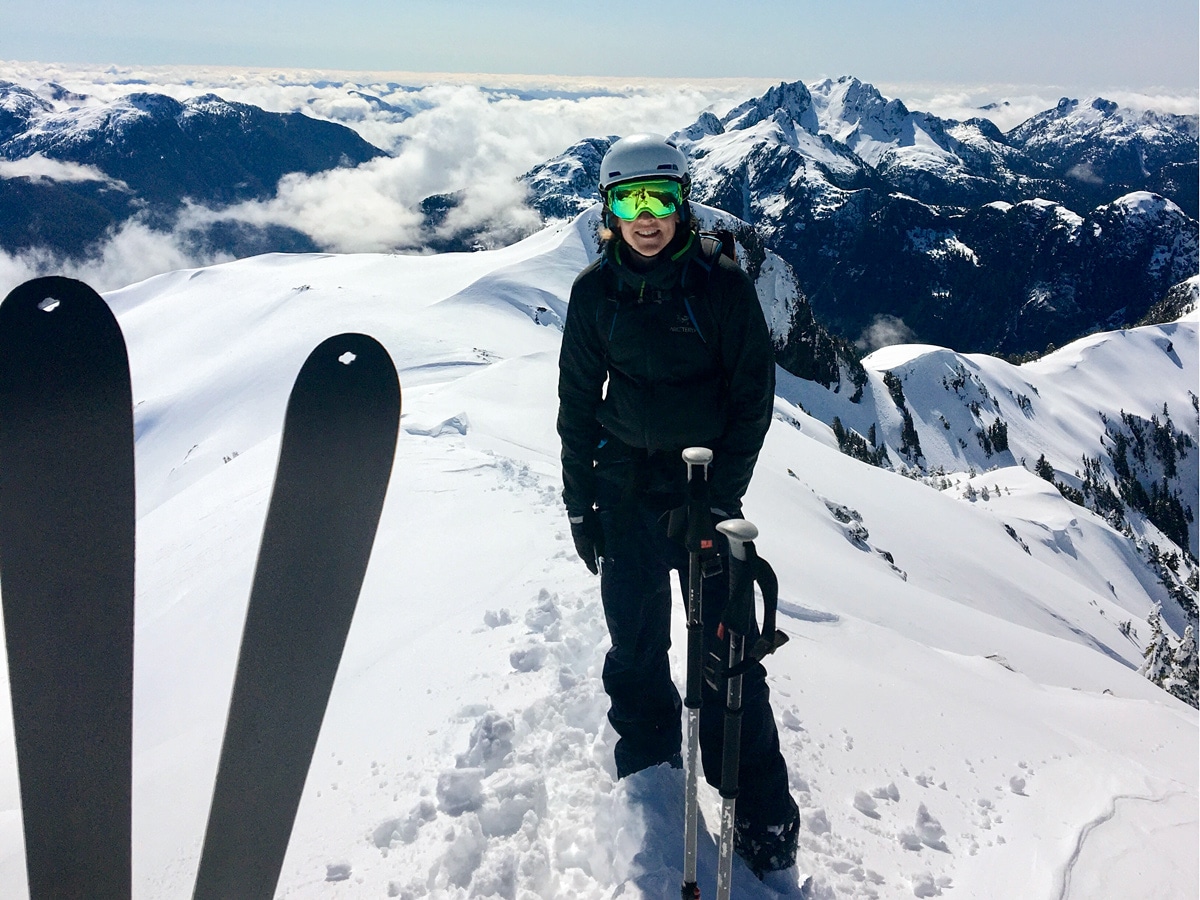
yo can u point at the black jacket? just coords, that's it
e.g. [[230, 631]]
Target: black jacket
[[687, 358]]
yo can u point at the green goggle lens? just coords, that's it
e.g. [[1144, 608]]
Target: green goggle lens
[[659, 197]]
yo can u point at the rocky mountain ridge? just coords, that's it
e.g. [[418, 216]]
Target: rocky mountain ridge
[[972, 238]]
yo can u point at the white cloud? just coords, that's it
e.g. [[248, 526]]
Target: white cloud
[[470, 135], [38, 168], [1013, 104], [884, 331], [132, 253], [445, 135], [1084, 172], [1177, 104]]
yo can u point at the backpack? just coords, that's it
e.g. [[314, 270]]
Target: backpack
[[718, 242]]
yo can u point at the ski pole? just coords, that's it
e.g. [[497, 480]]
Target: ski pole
[[699, 537], [736, 623]]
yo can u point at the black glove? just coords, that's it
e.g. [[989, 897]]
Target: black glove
[[589, 539]]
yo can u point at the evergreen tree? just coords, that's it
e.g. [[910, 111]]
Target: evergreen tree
[[998, 434], [1043, 469], [1158, 651], [910, 441], [1182, 679]]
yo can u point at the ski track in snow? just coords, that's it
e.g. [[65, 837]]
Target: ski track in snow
[[1166, 811]]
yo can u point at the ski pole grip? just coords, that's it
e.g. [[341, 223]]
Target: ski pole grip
[[700, 535], [697, 456], [739, 611], [740, 533]]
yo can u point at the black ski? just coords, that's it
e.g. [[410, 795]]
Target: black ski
[[339, 440], [67, 521]]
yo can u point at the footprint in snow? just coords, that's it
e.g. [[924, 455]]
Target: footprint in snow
[[866, 804], [926, 832], [530, 659], [545, 617], [490, 745], [888, 792]]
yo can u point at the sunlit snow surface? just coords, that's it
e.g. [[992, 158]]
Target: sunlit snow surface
[[961, 716]]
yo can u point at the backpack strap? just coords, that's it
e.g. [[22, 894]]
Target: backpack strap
[[713, 245]]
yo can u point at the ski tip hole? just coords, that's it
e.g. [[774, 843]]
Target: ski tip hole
[[50, 304], [346, 358]]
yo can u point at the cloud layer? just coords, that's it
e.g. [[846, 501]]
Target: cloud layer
[[445, 136], [468, 135], [39, 168]]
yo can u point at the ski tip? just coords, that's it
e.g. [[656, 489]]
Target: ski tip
[[42, 290], [352, 357], [349, 347]]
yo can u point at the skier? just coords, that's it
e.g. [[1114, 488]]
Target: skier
[[665, 347]]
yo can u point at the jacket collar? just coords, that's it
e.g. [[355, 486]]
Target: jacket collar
[[662, 276]]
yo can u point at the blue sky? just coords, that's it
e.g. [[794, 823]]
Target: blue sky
[[1079, 44]]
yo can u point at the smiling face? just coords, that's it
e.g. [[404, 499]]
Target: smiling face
[[647, 235]]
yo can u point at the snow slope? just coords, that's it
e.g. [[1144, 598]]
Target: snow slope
[[1057, 406], [960, 712]]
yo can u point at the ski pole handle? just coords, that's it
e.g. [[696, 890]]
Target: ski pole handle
[[740, 533], [746, 570], [697, 456], [700, 534]]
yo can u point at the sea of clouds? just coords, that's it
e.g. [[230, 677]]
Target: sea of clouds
[[471, 134]]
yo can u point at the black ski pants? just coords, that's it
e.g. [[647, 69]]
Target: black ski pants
[[646, 710]]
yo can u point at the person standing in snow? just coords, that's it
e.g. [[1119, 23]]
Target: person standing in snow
[[665, 347]]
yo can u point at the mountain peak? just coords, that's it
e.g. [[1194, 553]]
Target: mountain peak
[[1144, 203], [856, 114], [848, 93], [153, 104], [1068, 105], [792, 99], [15, 99], [708, 124]]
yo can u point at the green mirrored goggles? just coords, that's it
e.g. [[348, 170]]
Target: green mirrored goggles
[[660, 197]]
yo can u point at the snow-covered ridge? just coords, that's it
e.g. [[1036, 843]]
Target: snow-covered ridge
[[1060, 407], [958, 705]]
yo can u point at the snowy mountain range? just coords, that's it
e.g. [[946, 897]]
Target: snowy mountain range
[[959, 705], [1079, 219], [149, 154]]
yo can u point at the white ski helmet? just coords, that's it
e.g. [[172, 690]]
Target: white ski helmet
[[643, 156]]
